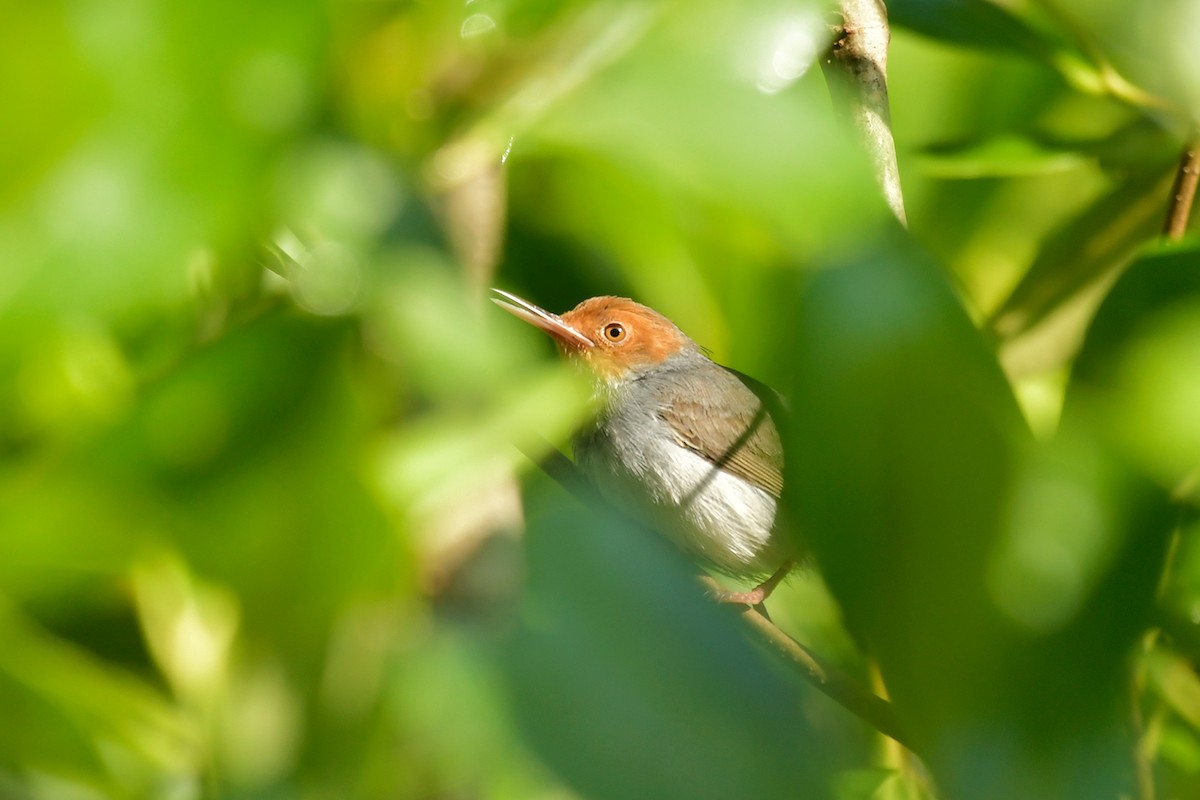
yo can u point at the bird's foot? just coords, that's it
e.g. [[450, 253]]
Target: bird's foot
[[750, 598], [759, 593]]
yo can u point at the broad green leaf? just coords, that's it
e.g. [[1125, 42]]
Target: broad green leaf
[[999, 582], [630, 683]]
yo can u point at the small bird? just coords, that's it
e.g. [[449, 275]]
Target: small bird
[[687, 438]]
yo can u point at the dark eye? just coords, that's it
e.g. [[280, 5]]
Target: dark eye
[[614, 332]]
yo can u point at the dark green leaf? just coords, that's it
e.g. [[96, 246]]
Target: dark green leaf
[[998, 582], [632, 684]]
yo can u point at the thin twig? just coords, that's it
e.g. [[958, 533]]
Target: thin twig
[[840, 687], [856, 73], [1183, 193]]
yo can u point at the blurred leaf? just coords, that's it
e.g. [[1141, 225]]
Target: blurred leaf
[[881, 784], [970, 22], [1130, 370], [178, 128], [988, 24], [934, 521], [1154, 403], [189, 627], [1180, 748], [896, 399], [582, 47], [1130, 385], [1161, 282], [1007, 156], [1176, 682], [861, 784], [650, 115], [77, 719], [1181, 592], [982, 23], [1091, 247], [1151, 43], [631, 684]]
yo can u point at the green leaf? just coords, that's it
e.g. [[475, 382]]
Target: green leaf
[[1001, 156], [989, 25], [1091, 247], [1157, 284], [79, 719], [1135, 370], [974, 23], [999, 582], [630, 683], [1176, 682]]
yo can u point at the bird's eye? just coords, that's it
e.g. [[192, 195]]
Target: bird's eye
[[614, 332]]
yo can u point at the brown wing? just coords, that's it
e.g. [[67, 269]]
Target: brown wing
[[737, 436]]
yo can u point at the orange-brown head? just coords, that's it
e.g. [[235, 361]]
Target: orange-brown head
[[614, 336]]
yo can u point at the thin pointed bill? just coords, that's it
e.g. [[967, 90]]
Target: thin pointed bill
[[541, 318]]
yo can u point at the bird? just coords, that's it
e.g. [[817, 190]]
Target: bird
[[693, 443]]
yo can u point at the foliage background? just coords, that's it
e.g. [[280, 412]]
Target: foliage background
[[259, 527]]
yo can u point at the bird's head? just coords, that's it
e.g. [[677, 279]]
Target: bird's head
[[614, 336]]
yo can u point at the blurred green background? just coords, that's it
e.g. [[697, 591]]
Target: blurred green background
[[263, 528]]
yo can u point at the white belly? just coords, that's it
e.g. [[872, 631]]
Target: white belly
[[716, 516]]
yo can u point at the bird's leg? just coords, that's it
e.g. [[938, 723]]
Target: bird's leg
[[759, 593]]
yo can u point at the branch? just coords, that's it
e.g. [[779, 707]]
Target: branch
[[1183, 192], [856, 73], [837, 685]]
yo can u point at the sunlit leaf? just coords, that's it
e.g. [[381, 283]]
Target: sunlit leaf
[[999, 157], [78, 719], [1090, 248], [1176, 681], [1053, 40]]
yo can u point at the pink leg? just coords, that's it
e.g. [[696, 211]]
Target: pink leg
[[758, 593]]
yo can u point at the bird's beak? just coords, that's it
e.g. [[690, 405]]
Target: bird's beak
[[541, 318]]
